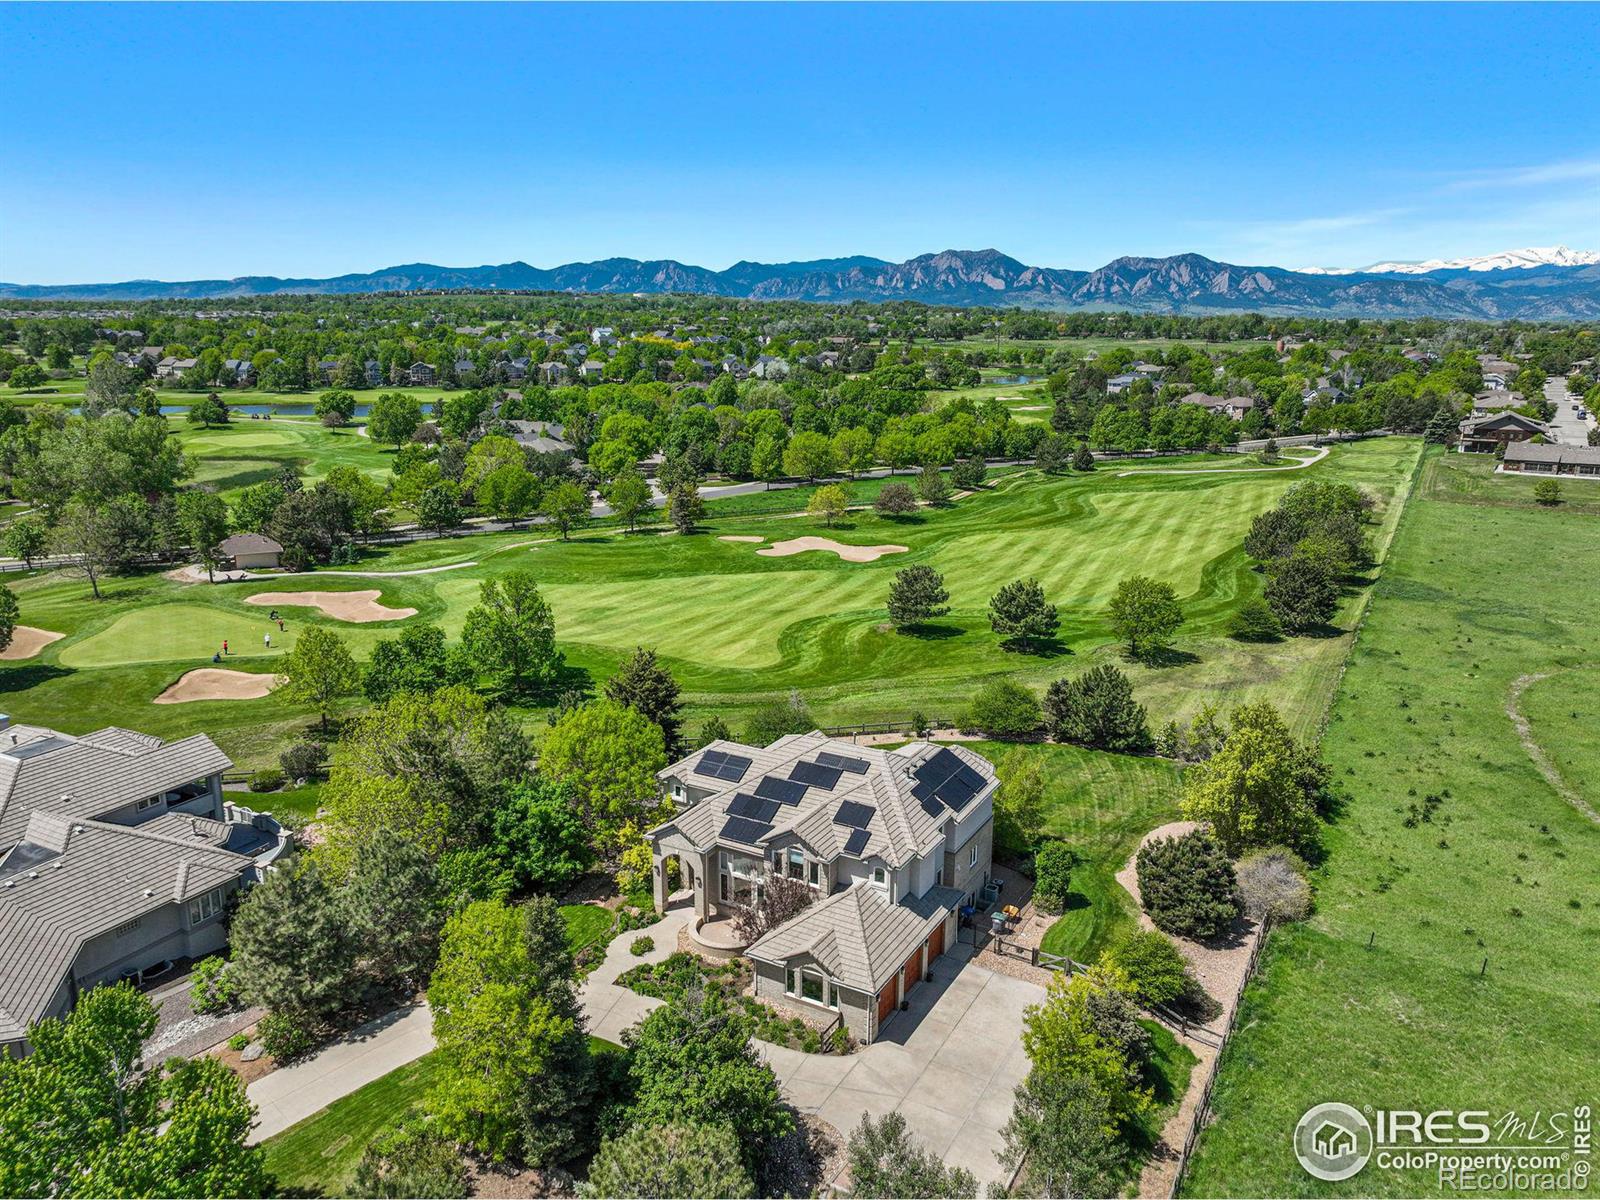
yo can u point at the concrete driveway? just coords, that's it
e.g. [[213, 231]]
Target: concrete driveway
[[949, 1063]]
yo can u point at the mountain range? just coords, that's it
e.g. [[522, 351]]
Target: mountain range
[[1564, 288]]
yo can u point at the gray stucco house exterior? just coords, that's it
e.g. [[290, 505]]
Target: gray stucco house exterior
[[891, 842], [117, 853]]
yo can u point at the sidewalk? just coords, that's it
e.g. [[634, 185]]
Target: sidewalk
[[610, 1008], [291, 1094]]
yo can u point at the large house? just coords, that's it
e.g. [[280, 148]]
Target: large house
[[1233, 407], [891, 843], [546, 437], [118, 856], [1484, 434]]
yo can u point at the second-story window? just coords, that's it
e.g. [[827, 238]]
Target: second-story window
[[797, 863]]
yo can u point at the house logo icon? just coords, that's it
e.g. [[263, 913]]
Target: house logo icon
[[1333, 1141]]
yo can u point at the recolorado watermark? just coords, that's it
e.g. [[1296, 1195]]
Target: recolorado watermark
[[1471, 1150]]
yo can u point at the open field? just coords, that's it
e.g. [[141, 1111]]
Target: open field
[[693, 598], [1505, 872], [244, 452]]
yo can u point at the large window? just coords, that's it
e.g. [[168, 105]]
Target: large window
[[203, 908], [797, 863], [149, 802], [740, 877], [808, 983]]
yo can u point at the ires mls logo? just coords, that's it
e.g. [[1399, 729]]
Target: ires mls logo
[[1333, 1141]]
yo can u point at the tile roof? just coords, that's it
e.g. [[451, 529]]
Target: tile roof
[[899, 828], [85, 777], [69, 880], [858, 935], [1563, 455]]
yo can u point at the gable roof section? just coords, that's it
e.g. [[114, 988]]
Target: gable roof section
[[858, 935], [69, 880], [42, 770]]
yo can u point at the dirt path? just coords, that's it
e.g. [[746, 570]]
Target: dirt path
[[1297, 465], [1547, 768]]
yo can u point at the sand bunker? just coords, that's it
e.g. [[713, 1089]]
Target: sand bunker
[[739, 537], [214, 683], [26, 641], [857, 554], [342, 606]]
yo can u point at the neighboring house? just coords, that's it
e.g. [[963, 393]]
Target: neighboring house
[[173, 368], [603, 336], [768, 366], [592, 368], [517, 368], [1484, 434], [1233, 407], [892, 843], [1151, 371], [1551, 460], [242, 370], [327, 369], [421, 374], [552, 372], [543, 436], [1121, 383], [464, 367], [118, 855], [374, 370], [250, 551], [1494, 401]]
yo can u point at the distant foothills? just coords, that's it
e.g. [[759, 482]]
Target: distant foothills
[[1554, 284]]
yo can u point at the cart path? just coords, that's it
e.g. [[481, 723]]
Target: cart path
[[1297, 465]]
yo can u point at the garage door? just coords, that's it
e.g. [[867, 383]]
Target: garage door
[[936, 941], [885, 1003], [913, 970]]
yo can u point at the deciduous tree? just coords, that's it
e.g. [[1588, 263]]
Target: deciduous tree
[[610, 755], [319, 670], [511, 635], [1144, 613]]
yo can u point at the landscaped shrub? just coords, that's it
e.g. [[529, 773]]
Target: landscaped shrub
[[238, 1042], [1274, 886], [412, 1159], [1052, 875], [1097, 709], [303, 760], [1547, 492], [895, 500], [284, 1037], [1188, 886], [268, 779], [1157, 969], [1255, 622], [213, 987], [641, 945], [1003, 709]]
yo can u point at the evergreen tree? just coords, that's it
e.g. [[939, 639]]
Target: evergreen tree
[[1097, 709], [292, 948], [917, 594], [1022, 617], [646, 686], [668, 1160]]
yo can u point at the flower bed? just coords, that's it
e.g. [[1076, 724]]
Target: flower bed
[[676, 974]]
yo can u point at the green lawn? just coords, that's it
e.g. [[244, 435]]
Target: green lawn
[[244, 452], [587, 924], [1474, 597], [319, 1155], [737, 627]]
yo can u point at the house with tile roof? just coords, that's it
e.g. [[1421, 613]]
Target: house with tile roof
[[118, 856], [891, 843]]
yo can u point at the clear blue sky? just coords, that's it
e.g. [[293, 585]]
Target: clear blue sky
[[217, 140]]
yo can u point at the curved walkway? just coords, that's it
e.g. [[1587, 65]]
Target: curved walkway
[[1297, 465]]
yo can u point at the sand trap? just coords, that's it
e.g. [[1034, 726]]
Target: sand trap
[[857, 554], [26, 641], [342, 606], [214, 683], [739, 537]]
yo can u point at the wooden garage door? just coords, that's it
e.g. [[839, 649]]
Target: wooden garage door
[[936, 941], [913, 970], [885, 1003]]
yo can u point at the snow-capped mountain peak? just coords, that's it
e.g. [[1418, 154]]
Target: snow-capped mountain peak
[[1506, 260]]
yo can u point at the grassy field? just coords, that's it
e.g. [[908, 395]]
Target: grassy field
[[232, 457], [823, 628], [1476, 596]]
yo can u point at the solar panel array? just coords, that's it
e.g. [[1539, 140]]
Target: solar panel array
[[745, 831], [854, 815], [816, 775], [757, 809], [857, 842], [856, 766], [784, 791], [719, 764], [945, 780]]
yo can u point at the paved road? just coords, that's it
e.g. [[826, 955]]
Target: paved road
[[1569, 428]]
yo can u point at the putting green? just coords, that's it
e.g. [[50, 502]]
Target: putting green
[[179, 633]]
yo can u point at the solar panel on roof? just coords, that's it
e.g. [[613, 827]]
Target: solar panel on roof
[[857, 842], [784, 791], [931, 805], [745, 831], [954, 794], [719, 764], [42, 746], [816, 775], [856, 766], [753, 807], [853, 814]]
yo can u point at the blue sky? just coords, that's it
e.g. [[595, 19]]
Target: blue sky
[[217, 140]]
